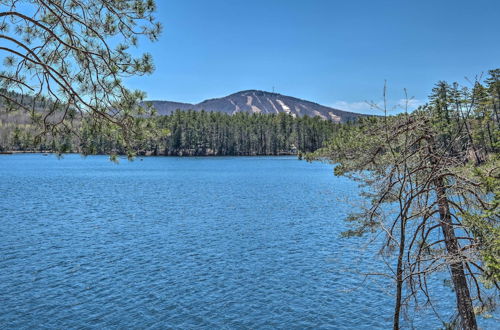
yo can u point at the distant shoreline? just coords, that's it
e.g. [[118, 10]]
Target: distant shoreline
[[17, 152]]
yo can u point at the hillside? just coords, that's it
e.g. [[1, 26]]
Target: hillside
[[254, 101]]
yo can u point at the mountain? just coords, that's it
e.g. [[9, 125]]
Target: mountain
[[254, 101]]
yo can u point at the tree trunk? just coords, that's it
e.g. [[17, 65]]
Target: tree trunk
[[464, 301], [399, 275]]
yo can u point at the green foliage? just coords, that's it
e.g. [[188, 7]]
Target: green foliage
[[431, 182], [485, 224], [69, 59], [189, 133]]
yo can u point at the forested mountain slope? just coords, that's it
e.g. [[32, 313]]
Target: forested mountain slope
[[254, 101], [244, 123]]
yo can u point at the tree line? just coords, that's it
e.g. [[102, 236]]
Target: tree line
[[182, 133]]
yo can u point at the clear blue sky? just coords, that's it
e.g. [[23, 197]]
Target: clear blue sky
[[336, 53]]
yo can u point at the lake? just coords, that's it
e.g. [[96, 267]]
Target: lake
[[166, 242]]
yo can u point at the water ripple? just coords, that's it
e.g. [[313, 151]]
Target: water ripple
[[182, 243]]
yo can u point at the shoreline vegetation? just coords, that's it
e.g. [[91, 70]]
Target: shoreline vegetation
[[46, 153], [183, 133], [430, 179]]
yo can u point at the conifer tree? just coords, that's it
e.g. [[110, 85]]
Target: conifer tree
[[68, 59]]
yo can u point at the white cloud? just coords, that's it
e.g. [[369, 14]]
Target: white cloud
[[412, 104], [375, 108], [360, 107]]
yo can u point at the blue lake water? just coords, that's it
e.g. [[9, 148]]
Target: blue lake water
[[246, 242]]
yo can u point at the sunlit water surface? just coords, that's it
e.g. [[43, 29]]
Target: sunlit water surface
[[247, 242]]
